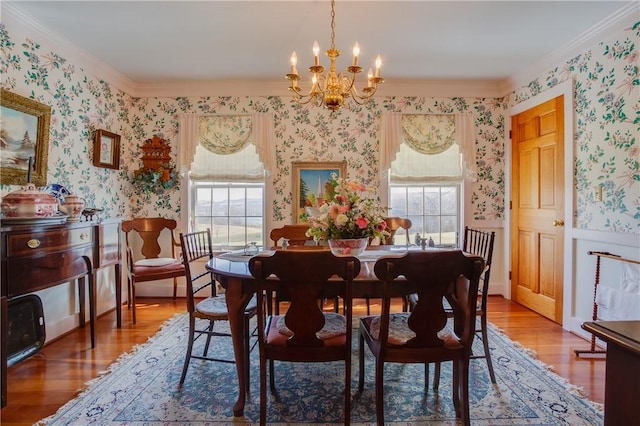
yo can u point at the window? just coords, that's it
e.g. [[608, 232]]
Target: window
[[427, 156], [232, 210], [433, 208], [226, 175]]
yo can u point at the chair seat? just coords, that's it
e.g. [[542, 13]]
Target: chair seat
[[216, 308], [335, 325], [400, 333], [156, 261], [276, 336], [151, 273]]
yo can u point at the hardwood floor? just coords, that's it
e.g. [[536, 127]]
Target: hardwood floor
[[39, 385]]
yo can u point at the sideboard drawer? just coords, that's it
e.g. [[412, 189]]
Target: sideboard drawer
[[29, 244], [29, 274]]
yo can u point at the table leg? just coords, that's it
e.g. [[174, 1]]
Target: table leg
[[4, 326], [118, 296], [92, 308], [236, 303], [81, 297]]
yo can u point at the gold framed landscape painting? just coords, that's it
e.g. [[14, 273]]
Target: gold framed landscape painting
[[24, 135], [309, 179]]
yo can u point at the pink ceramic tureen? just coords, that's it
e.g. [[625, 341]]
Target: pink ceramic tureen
[[29, 203]]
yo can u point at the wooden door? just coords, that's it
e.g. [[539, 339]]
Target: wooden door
[[537, 226]]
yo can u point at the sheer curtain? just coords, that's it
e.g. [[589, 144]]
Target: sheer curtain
[[427, 146]]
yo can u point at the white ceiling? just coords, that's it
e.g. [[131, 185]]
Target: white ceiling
[[174, 42]]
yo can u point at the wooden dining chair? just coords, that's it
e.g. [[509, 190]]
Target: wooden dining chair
[[305, 333], [421, 336], [204, 305], [146, 264], [297, 238], [296, 234], [480, 243], [394, 224]]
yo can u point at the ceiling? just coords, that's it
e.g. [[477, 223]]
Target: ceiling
[[176, 42]]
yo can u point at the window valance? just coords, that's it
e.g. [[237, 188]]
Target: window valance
[[429, 133], [425, 141], [225, 134], [208, 143]]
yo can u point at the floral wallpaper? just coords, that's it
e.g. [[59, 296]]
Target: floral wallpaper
[[607, 111], [607, 127]]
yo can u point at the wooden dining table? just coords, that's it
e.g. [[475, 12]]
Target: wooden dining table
[[231, 270]]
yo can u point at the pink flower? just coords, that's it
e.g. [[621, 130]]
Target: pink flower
[[355, 186], [362, 222], [336, 209]]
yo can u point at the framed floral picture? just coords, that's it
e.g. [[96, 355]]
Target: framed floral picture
[[309, 179], [24, 140], [106, 150]]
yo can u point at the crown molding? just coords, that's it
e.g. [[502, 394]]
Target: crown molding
[[25, 26], [626, 16]]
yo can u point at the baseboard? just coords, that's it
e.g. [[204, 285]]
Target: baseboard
[[576, 328], [498, 289]]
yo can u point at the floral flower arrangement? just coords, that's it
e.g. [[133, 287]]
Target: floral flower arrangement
[[348, 212]]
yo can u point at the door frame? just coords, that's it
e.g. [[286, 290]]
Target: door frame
[[565, 88]]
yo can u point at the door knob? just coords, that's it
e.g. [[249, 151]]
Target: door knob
[[558, 222]]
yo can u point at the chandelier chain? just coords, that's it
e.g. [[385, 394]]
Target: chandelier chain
[[333, 24]]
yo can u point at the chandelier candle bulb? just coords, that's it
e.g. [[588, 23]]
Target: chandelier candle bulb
[[316, 52], [378, 65], [294, 62], [356, 52], [369, 77]]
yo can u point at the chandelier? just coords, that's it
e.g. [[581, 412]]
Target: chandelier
[[331, 90]]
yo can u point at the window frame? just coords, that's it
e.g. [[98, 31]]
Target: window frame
[[459, 187], [196, 184]]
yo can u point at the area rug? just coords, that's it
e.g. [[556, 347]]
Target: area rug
[[141, 389]]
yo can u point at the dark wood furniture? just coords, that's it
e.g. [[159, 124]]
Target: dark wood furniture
[[393, 225], [235, 277], [35, 257], [622, 378], [310, 335], [415, 337], [480, 243], [297, 238], [146, 266], [204, 303], [4, 329], [296, 234]]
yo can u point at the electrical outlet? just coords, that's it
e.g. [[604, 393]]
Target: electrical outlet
[[598, 193]]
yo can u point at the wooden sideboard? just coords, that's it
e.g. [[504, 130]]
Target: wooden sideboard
[[35, 257], [622, 380]]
